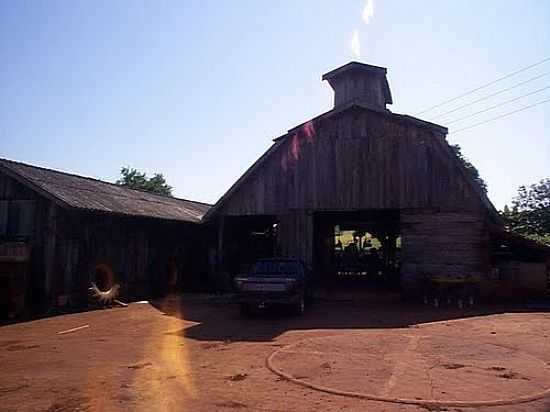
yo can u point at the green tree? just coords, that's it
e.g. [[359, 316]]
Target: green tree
[[530, 211], [138, 180], [469, 167]]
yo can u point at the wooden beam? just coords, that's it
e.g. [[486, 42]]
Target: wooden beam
[[49, 248], [221, 233]]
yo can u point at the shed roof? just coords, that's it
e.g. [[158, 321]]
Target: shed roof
[[90, 194], [354, 66]]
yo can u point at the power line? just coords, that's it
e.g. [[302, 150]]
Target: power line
[[484, 86], [501, 116], [498, 105], [491, 95]]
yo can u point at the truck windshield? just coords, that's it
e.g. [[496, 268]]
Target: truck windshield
[[275, 268]]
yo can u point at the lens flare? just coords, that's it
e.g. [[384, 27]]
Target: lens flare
[[293, 150], [355, 44], [295, 147], [309, 131], [368, 11], [171, 367]]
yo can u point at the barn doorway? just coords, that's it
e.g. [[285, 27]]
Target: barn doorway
[[246, 239], [358, 249]]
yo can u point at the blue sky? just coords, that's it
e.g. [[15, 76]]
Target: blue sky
[[197, 89]]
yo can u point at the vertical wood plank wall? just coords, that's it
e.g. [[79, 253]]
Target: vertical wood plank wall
[[35, 233], [355, 161], [441, 244], [137, 250], [296, 235]]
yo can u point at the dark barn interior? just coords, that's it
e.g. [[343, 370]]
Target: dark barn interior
[[357, 249], [246, 239]]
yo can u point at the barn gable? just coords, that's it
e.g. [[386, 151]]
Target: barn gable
[[356, 158]]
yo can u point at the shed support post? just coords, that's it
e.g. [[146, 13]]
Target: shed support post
[[49, 250], [221, 230], [296, 235]]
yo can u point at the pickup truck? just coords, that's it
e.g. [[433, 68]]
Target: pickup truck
[[274, 281]]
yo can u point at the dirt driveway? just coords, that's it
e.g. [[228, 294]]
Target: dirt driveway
[[188, 354]]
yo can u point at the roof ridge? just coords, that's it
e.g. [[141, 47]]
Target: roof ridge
[[354, 103], [2, 159]]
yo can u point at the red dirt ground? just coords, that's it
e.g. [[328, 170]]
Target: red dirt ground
[[191, 354]]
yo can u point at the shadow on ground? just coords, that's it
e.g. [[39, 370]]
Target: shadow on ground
[[221, 320]]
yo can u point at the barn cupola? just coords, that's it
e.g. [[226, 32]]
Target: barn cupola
[[360, 83]]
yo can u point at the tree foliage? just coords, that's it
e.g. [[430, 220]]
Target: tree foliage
[[469, 167], [138, 180], [530, 211]]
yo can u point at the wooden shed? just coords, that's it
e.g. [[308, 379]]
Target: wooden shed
[[521, 267], [59, 232], [359, 192]]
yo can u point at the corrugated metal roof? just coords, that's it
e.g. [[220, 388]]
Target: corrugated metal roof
[[95, 195]]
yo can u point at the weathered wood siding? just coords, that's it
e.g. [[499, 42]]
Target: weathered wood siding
[[17, 208], [296, 235], [139, 252], [352, 161], [24, 218], [442, 244]]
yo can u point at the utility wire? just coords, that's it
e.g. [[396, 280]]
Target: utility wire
[[484, 86], [498, 105], [491, 95], [501, 116]]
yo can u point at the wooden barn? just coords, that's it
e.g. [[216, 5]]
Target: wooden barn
[[360, 194], [364, 196], [59, 232]]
